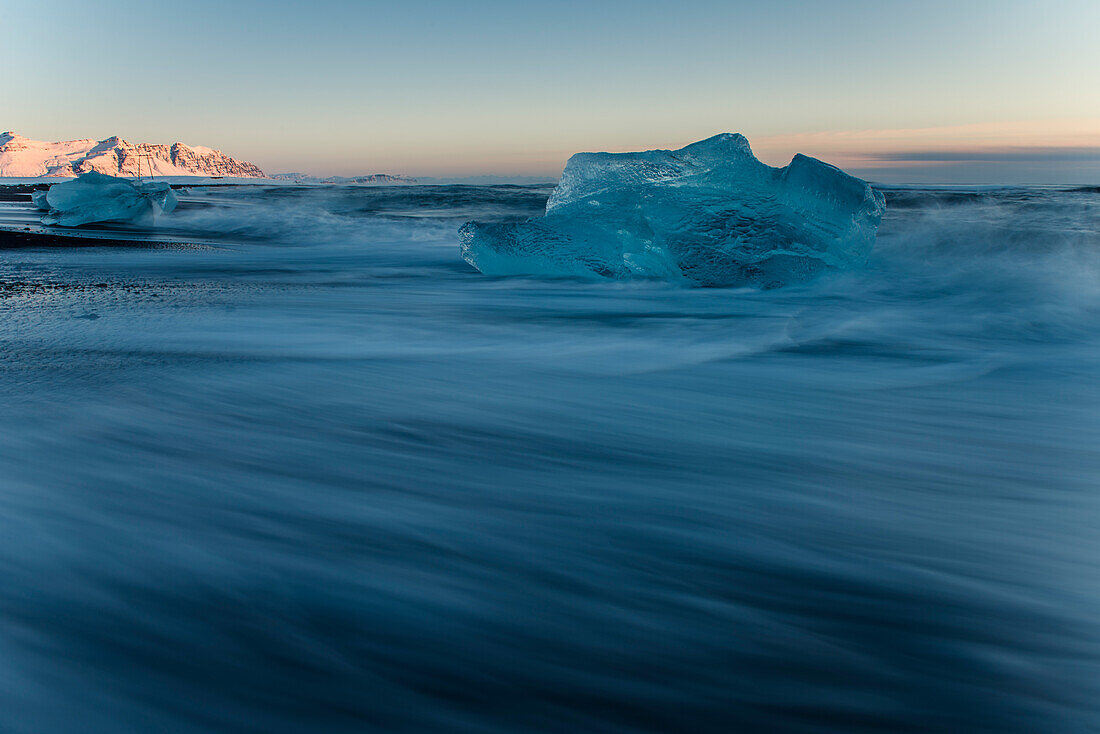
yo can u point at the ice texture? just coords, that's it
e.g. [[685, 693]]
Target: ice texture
[[708, 214], [97, 197], [38, 198]]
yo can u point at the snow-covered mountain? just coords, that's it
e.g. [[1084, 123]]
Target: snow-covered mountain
[[20, 156], [373, 178]]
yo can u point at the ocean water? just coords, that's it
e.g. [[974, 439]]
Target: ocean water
[[315, 474]]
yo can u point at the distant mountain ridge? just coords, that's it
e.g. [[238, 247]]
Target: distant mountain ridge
[[373, 178], [23, 157]]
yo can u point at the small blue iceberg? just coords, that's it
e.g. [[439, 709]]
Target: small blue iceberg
[[709, 214], [97, 197]]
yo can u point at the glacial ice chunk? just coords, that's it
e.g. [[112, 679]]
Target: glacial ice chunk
[[38, 198], [97, 197], [708, 214]]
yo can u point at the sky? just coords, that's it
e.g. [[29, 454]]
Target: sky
[[966, 91]]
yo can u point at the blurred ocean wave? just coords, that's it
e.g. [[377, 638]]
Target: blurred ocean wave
[[320, 475]]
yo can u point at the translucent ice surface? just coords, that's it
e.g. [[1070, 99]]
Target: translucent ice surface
[[707, 214], [97, 197]]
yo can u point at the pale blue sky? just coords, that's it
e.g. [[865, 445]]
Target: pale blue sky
[[486, 86]]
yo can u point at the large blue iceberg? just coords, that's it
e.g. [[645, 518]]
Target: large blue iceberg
[[709, 214], [97, 197]]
